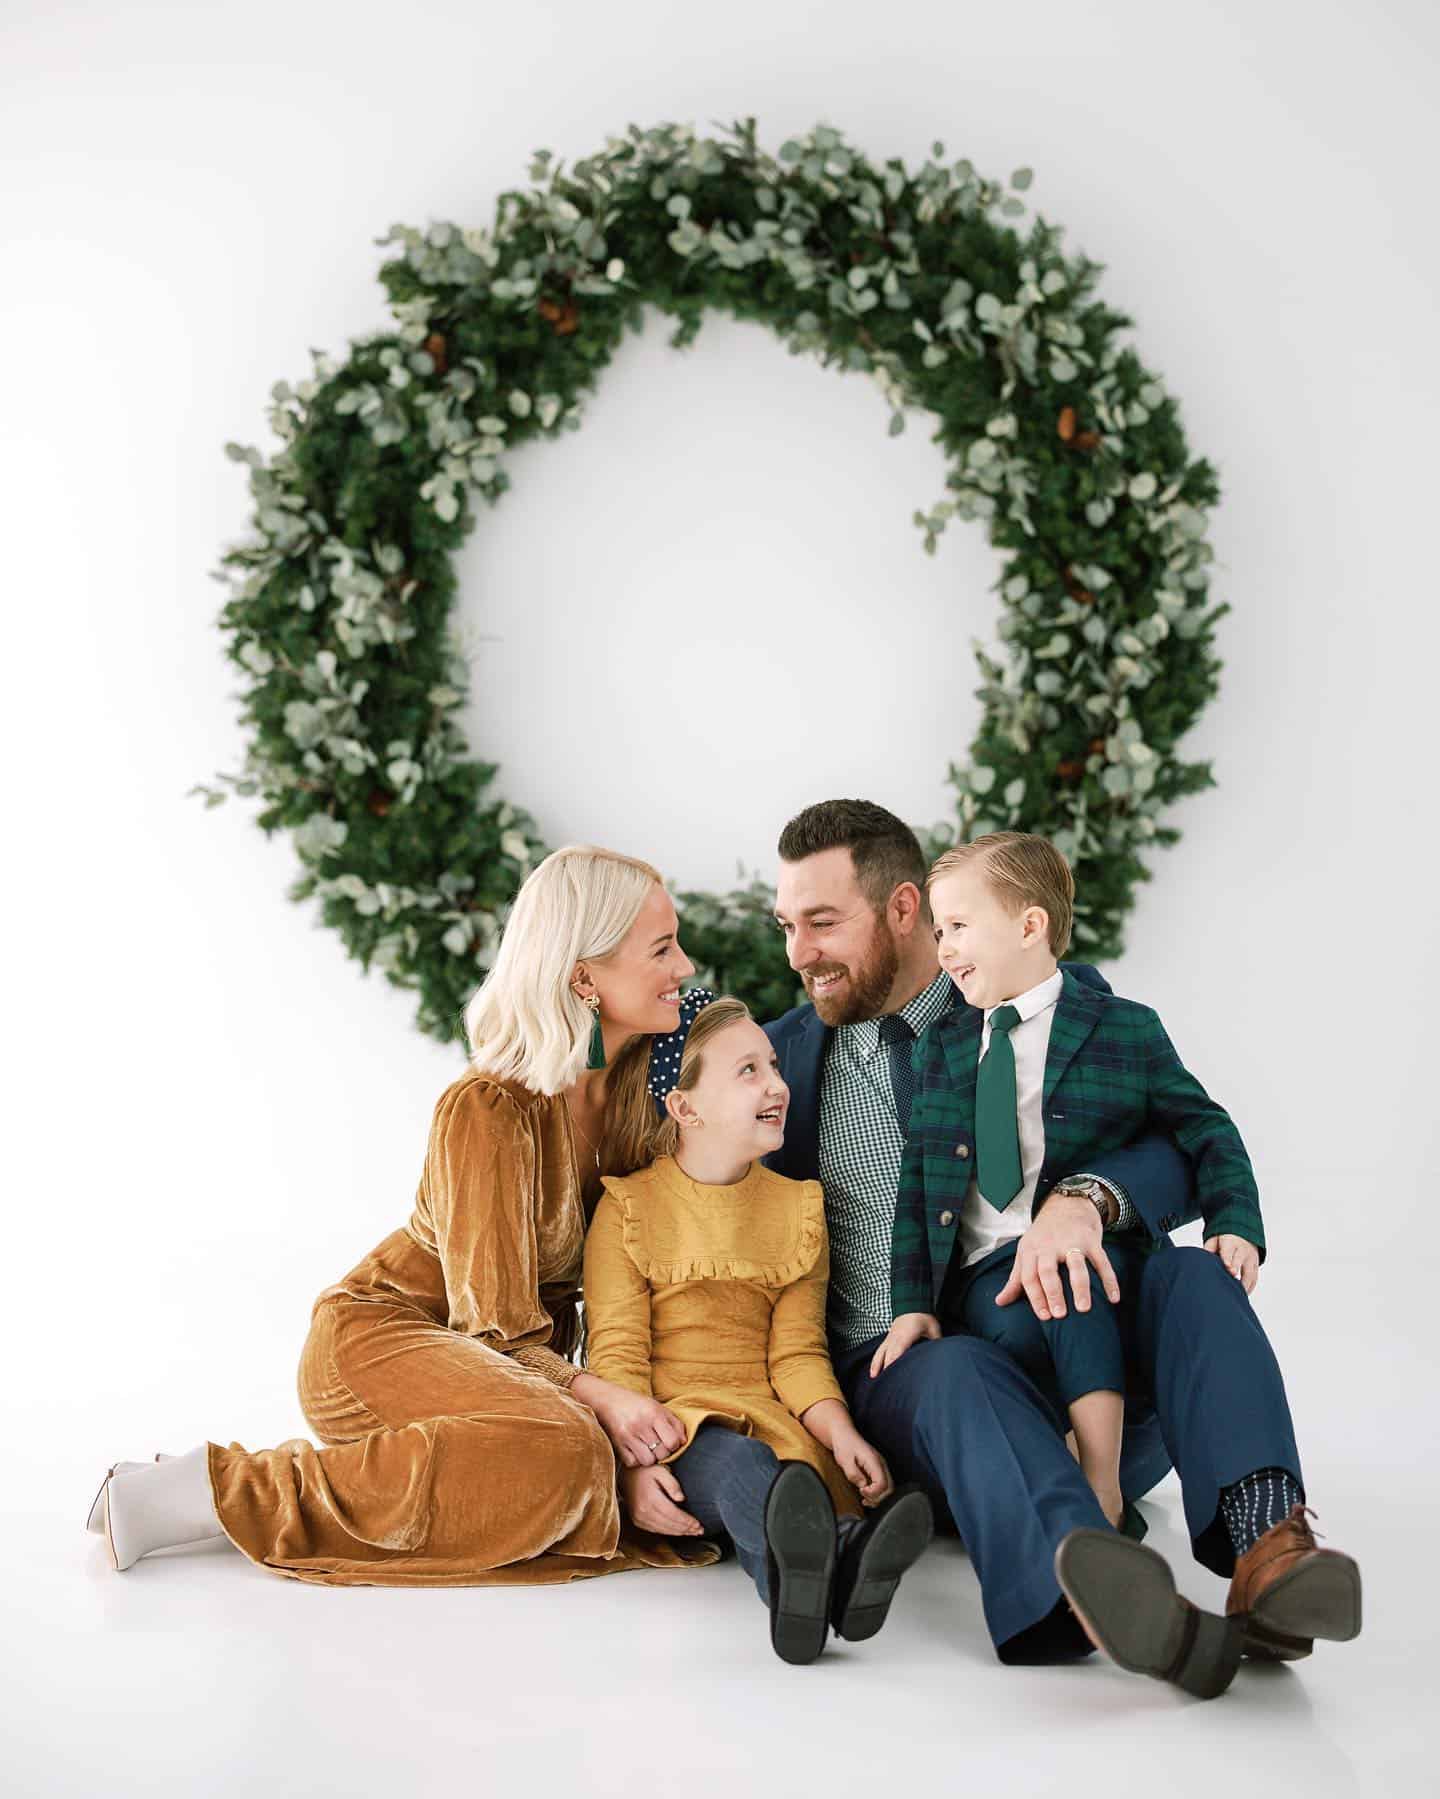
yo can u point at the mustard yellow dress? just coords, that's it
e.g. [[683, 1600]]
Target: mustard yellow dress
[[712, 1300], [436, 1377]]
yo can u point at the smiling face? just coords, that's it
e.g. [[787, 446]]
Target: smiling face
[[842, 949], [991, 954], [639, 983], [739, 1102]]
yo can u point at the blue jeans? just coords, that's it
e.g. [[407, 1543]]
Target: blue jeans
[[725, 1478]]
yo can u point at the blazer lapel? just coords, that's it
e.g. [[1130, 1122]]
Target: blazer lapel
[[1076, 1014], [802, 1067], [959, 1032]]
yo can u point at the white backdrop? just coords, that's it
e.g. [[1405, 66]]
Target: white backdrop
[[705, 609]]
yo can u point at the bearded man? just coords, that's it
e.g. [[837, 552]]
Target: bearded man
[[959, 1415]]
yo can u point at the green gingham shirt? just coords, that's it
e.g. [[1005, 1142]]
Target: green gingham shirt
[[860, 1148]]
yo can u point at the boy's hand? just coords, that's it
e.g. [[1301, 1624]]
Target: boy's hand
[[862, 1465], [908, 1329], [1066, 1234], [653, 1498], [1240, 1257]]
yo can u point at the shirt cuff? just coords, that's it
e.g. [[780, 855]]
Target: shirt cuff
[[1127, 1217], [546, 1363]]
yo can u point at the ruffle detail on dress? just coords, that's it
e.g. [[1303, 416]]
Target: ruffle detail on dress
[[670, 1243]]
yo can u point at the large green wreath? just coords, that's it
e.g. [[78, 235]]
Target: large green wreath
[[1057, 437]]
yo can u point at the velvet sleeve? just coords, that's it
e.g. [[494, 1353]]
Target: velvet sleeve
[[480, 1176], [617, 1303]]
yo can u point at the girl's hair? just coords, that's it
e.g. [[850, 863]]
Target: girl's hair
[[525, 1023], [635, 1131]]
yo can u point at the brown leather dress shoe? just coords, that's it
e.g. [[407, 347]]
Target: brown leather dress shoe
[[1290, 1591]]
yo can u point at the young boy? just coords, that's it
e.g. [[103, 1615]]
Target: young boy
[[1034, 1076]]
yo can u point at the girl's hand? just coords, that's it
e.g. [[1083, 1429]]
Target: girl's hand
[[862, 1465], [908, 1329], [1240, 1257], [653, 1499], [643, 1431]]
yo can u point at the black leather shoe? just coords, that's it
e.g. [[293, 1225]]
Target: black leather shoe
[[1125, 1596], [888, 1540], [800, 1548]]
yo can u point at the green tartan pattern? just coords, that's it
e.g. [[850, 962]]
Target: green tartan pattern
[[1112, 1075]]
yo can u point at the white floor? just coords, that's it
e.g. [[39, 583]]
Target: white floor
[[197, 1673]]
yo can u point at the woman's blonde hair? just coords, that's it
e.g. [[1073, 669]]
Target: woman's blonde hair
[[1021, 870], [635, 1131], [526, 1023]]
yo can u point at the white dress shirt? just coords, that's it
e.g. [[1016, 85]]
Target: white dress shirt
[[983, 1229]]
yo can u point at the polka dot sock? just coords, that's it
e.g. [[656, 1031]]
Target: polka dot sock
[[1258, 1503]]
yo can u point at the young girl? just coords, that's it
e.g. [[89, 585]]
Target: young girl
[[705, 1280]]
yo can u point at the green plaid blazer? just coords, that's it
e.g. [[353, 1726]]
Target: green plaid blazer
[[1111, 1075]]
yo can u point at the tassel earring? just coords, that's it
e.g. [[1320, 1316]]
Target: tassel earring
[[597, 1036]]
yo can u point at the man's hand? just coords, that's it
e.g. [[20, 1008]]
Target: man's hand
[[1240, 1257], [1066, 1233], [653, 1498], [642, 1430], [862, 1465], [908, 1329]]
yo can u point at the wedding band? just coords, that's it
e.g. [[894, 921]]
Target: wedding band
[[655, 1445], [1074, 1252]]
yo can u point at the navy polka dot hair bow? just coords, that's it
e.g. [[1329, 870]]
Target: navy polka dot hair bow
[[666, 1051]]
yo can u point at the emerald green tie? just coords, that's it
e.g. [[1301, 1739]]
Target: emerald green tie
[[997, 1136]]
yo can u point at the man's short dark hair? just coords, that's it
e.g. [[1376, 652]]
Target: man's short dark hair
[[884, 849]]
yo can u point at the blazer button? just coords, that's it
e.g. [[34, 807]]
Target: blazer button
[[962, 1150], [947, 1218]]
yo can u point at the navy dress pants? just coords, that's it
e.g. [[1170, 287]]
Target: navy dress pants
[[963, 1418], [1083, 1352]]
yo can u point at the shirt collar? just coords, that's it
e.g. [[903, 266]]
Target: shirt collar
[[1037, 1000], [929, 1003], [863, 1037]]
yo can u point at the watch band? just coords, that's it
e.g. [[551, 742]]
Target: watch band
[[1099, 1195]]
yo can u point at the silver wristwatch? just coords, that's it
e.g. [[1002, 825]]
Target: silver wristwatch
[[1099, 1196]]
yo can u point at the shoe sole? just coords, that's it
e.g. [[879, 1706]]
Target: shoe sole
[[800, 1532], [1125, 1595], [896, 1544], [1320, 1598]]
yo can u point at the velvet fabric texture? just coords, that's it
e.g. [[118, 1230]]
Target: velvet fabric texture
[[435, 1377], [712, 1300]]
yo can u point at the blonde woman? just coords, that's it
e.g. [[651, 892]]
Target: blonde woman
[[461, 1445]]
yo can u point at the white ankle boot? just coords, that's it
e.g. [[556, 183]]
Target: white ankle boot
[[95, 1517], [159, 1506]]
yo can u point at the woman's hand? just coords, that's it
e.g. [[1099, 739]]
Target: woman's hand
[[1240, 1257], [643, 1431], [653, 1499], [908, 1329], [862, 1465]]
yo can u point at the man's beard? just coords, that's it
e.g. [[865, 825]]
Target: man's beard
[[869, 985]]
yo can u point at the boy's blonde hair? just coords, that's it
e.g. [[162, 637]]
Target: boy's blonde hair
[[635, 1133], [526, 1023], [1020, 870]]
